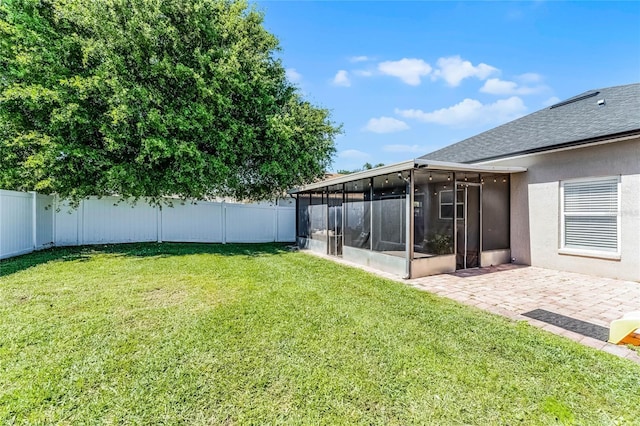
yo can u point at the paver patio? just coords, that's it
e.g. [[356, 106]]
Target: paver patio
[[512, 290]]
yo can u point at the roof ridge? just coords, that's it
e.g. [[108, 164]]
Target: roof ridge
[[580, 118], [592, 92], [617, 86]]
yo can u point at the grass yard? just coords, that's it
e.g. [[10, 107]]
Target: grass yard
[[247, 334]]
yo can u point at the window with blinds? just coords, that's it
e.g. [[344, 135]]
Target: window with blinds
[[591, 214]]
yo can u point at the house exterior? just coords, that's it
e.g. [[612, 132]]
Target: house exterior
[[558, 188]]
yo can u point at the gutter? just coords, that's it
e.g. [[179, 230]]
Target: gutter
[[417, 163]]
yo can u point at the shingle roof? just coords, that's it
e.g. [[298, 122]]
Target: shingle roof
[[575, 120]]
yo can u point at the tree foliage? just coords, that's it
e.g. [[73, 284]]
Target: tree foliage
[[148, 98], [365, 166]]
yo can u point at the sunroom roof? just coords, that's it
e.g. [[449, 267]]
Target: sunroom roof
[[416, 163]]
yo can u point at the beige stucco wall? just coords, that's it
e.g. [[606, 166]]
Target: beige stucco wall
[[535, 207]]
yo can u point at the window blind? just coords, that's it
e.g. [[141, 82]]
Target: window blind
[[590, 213]]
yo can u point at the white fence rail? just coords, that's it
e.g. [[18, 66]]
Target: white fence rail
[[30, 221]]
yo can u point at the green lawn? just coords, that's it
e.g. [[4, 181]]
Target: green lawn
[[246, 334]]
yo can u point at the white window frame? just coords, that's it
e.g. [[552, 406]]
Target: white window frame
[[604, 254]]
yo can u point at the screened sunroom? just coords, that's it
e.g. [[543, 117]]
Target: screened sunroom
[[413, 219]]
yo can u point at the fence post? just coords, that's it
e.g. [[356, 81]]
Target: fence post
[[159, 222], [275, 227], [54, 219], [34, 214], [80, 224], [223, 221]]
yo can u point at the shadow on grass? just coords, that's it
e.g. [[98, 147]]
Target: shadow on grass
[[84, 253]]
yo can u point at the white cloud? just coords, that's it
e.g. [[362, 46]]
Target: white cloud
[[359, 59], [453, 70], [342, 79], [529, 77], [495, 86], [405, 148], [409, 70], [551, 101], [353, 154], [470, 112], [293, 75], [385, 125], [363, 73]]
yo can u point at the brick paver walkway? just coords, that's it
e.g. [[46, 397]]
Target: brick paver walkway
[[512, 290]]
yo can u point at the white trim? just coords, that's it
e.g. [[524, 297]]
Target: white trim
[[589, 253], [378, 171], [591, 179], [406, 166], [603, 254]]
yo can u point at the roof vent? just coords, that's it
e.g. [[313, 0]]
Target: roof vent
[[601, 102], [587, 95]]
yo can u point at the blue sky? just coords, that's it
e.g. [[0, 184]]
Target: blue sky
[[407, 78]]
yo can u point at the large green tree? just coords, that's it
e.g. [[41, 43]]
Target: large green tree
[[151, 98]]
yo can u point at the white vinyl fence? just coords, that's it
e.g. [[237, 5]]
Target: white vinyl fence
[[30, 221]]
